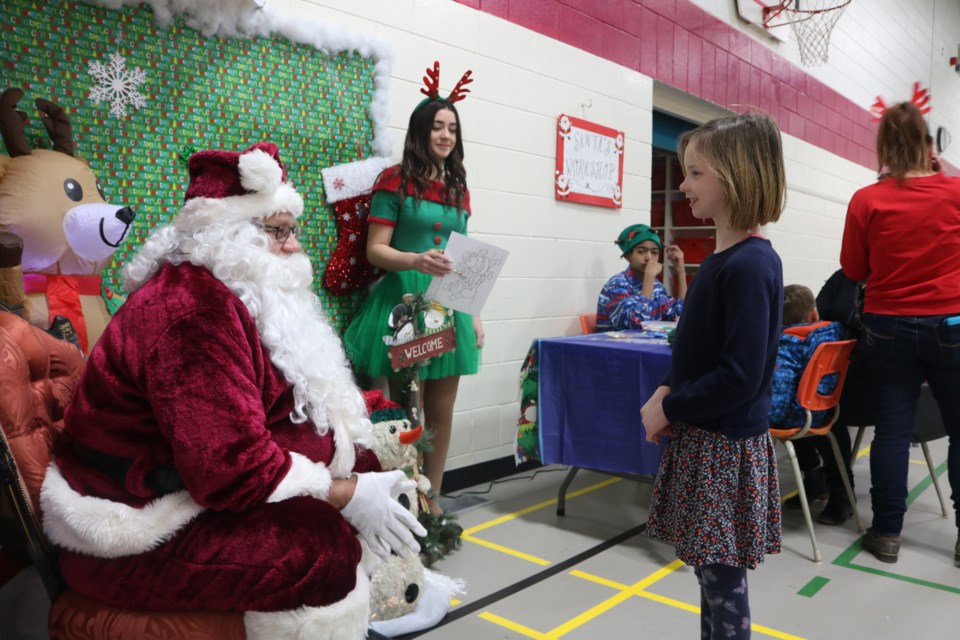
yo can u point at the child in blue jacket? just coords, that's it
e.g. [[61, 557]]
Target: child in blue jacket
[[803, 332]]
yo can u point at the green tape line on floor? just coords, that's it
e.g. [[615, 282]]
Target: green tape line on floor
[[811, 588]]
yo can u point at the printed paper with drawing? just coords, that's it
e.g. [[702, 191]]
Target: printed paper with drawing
[[476, 266]]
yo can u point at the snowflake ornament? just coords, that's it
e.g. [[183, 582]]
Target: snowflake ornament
[[118, 85]]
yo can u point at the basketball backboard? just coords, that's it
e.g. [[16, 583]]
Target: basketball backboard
[[763, 14]]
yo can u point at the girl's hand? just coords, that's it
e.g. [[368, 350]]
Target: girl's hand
[[675, 256], [432, 263], [654, 420], [478, 328]]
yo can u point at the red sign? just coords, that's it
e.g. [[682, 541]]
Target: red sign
[[422, 348], [589, 163]]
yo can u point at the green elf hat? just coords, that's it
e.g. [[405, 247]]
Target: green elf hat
[[432, 86], [634, 235]]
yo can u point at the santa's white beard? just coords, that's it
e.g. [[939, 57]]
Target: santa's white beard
[[291, 323]]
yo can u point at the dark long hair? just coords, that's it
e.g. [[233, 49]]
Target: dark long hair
[[902, 141], [418, 163]]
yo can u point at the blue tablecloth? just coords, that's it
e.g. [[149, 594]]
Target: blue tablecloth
[[590, 392]]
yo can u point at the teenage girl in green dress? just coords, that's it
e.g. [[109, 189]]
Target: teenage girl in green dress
[[415, 206]]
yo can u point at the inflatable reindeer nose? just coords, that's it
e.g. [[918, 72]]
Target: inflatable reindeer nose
[[126, 215]]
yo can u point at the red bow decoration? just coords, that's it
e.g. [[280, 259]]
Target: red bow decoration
[[921, 99]]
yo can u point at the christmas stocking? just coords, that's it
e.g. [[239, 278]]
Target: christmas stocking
[[347, 187]]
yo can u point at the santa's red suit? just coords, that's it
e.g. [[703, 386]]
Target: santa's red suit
[[187, 482]]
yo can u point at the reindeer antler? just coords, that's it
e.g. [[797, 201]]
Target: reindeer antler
[[878, 108], [12, 123], [460, 92], [432, 81], [920, 99], [57, 124]]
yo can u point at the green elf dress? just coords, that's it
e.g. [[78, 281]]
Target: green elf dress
[[418, 226]]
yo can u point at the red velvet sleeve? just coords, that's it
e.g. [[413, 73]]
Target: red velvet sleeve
[[204, 380]]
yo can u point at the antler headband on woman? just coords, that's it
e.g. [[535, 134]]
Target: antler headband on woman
[[920, 99], [431, 87]]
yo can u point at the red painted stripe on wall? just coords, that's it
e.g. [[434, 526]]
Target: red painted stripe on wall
[[680, 44]]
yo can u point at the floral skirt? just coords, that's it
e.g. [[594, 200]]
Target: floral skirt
[[717, 498]]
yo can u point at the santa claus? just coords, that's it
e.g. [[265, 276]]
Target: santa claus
[[217, 454]]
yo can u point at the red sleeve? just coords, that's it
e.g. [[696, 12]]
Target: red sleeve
[[854, 251], [388, 180], [204, 380]]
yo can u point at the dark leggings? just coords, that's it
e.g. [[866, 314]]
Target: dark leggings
[[724, 602]]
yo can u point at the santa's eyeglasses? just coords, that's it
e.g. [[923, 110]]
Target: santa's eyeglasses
[[280, 232]]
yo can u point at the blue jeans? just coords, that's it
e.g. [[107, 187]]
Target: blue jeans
[[900, 353]]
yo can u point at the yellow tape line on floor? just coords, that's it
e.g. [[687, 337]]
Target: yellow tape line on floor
[[638, 589], [507, 550], [625, 591], [537, 507]]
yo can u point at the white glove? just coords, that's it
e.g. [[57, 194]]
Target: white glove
[[382, 521]]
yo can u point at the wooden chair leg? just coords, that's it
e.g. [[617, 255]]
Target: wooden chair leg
[[933, 476], [846, 480], [798, 475]]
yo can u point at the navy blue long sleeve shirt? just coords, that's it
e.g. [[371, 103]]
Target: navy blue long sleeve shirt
[[726, 343]]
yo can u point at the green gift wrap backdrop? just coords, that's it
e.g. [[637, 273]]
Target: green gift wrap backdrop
[[201, 93]]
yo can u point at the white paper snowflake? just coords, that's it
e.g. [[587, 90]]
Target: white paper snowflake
[[118, 85]]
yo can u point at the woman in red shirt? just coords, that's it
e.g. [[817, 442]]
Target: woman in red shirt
[[902, 235]]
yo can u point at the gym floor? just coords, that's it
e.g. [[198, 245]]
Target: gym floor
[[593, 574]]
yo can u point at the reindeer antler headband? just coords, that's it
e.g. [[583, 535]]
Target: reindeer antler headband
[[920, 99], [431, 87]]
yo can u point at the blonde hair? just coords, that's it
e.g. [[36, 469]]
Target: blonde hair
[[798, 302], [746, 153]]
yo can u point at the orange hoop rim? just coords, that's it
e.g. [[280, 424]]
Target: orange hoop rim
[[800, 15]]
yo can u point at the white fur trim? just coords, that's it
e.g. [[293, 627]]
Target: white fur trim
[[200, 212], [108, 529], [259, 172], [345, 457], [352, 179], [229, 19], [344, 620], [304, 478]]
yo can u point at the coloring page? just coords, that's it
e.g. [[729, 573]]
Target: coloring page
[[476, 266]]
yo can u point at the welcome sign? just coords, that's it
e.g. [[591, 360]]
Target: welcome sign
[[589, 163]]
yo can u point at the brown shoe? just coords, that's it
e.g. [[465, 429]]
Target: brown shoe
[[884, 548]]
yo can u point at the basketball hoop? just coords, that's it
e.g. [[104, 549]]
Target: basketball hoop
[[812, 23]]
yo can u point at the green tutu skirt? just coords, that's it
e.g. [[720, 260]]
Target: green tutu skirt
[[368, 352]]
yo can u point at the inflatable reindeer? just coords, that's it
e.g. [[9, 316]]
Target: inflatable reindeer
[[53, 203]]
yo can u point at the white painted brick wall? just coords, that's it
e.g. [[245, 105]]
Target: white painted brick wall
[[562, 253], [881, 47]]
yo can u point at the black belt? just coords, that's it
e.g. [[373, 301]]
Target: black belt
[[163, 479]]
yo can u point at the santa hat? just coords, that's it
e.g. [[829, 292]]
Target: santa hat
[[382, 409], [230, 185]]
